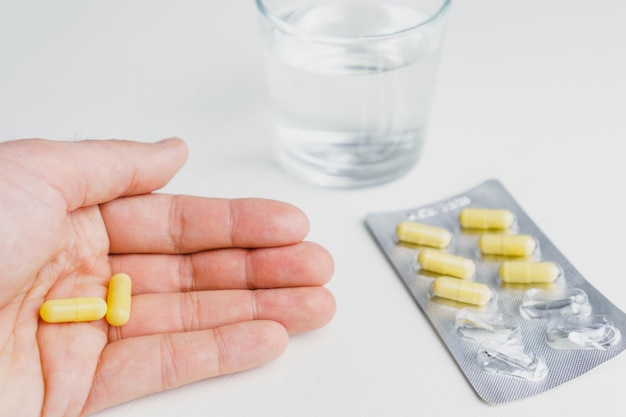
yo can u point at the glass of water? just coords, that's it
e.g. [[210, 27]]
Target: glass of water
[[351, 83]]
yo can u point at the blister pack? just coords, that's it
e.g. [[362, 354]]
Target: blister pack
[[515, 314]]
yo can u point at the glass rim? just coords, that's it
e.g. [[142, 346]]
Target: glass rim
[[286, 27]]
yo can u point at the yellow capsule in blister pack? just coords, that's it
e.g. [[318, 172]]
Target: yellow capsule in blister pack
[[445, 264], [68, 310], [521, 272], [422, 234], [486, 219], [507, 245], [469, 292]]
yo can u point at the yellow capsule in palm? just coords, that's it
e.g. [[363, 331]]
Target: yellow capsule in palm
[[68, 310], [119, 299]]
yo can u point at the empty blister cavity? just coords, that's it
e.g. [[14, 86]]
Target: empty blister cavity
[[423, 234], [522, 272], [486, 218], [481, 326], [507, 245], [539, 304], [582, 332], [510, 359], [446, 264]]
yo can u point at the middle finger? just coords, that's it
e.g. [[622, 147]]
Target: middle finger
[[302, 264]]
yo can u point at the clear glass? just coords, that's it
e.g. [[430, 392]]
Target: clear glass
[[351, 83]]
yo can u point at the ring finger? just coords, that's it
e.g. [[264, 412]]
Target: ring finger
[[297, 309]]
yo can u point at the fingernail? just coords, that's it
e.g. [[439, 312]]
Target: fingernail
[[169, 142]]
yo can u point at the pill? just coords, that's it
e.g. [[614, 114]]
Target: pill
[[445, 264], [521, 272], [68, 310], [118, 300], [508, 245], [483, 218], [464, 291], [422, 234]]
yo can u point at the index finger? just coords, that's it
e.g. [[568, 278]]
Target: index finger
[[90, 172], [160, 223]]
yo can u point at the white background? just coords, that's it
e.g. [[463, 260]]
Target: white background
[[531, 92]]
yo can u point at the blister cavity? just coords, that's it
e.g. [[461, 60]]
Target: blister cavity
[[481, 326], [540, 304], [511, 360], [579, 332]]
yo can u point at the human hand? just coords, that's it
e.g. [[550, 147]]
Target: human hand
[[217, 284]]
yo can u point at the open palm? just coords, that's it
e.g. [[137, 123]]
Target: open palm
[[217, 284]]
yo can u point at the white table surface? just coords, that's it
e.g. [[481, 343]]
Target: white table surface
[[532, 93]]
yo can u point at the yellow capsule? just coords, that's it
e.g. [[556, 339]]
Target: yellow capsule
[[68, 310], [463, 291], [522, 272], [118, 300], [423, 234], [445, 264], [508, 245], [485, 219]]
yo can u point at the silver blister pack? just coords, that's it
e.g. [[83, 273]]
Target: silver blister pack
[[529, 337]]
